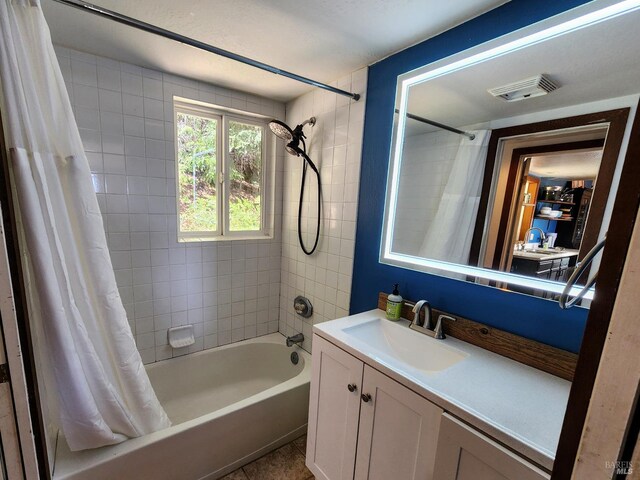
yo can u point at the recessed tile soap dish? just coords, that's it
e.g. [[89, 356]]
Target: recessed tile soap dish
[[180, 337]]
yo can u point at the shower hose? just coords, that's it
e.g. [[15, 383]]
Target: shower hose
[[309, 163]]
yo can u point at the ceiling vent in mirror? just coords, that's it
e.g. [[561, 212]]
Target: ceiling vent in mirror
[[529, 88]]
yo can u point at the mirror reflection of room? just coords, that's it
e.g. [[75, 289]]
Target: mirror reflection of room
[[555, 194], [550, 189], [503, 172], [431, 208]]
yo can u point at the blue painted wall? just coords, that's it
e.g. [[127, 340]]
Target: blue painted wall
[[523, 315]]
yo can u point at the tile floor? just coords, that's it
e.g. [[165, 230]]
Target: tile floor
[[285, 463]]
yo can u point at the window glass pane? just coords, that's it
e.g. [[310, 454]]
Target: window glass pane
[[197, 160], [245, 162]]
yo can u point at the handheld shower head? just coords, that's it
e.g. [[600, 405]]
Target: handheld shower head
[[291, 137], [281, 130]]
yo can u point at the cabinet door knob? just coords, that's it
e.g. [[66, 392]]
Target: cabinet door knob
[[352, 387], [365, 397]]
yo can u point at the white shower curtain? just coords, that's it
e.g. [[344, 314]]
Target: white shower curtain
[[103, 393], [450, 234]]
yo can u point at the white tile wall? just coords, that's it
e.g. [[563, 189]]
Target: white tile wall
[[228, 290], [335, 145], [422, 182]]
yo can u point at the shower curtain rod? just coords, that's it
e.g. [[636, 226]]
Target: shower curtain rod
[[471, 136], [147, 27]]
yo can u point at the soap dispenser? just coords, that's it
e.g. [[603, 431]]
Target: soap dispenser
[[394, 304]]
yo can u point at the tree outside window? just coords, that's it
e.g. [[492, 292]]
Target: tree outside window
[[220, 173]]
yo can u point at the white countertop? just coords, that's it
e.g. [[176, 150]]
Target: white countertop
[[535, 255], [518, 405]]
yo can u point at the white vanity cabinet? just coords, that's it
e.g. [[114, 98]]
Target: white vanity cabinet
[[363, 424], [466, 454], [334, 412], [398, 431]]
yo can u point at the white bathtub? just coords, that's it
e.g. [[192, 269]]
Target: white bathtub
[[229, 405]]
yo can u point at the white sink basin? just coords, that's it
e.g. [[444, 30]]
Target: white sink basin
[[412, 348]]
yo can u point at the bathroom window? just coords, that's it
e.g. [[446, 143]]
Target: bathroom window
[[222, 166]]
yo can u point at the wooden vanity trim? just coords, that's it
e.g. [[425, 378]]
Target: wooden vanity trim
[[529, 352]]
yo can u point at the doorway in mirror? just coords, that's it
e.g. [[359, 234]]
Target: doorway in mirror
[[552, 198], [544, 196]]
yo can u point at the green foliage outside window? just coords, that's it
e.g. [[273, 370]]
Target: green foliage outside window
[[245, 150], [197, 157]]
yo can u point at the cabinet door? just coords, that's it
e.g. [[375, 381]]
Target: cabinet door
[[398, 431], [333, 411], [465, 454]]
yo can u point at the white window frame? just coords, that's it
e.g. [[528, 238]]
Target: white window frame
[[223, 170]]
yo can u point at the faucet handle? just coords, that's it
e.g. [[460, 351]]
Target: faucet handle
[[439, 334]]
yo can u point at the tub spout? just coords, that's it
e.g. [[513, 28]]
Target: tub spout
[[297, 338]]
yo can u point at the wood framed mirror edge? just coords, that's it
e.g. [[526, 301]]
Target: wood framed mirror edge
[[625, 209]]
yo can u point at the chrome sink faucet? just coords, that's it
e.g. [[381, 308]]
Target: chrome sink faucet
[[543, 237], [427, 314], [426, 328]]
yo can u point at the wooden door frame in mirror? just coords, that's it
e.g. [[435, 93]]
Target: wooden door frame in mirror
[[591, 233], [623, 219], [617, 120]]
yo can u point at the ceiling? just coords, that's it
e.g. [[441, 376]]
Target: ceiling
[[319, 39], [576, 165], [593, 63]]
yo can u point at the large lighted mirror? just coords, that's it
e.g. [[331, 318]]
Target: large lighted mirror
[[506, 158]]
